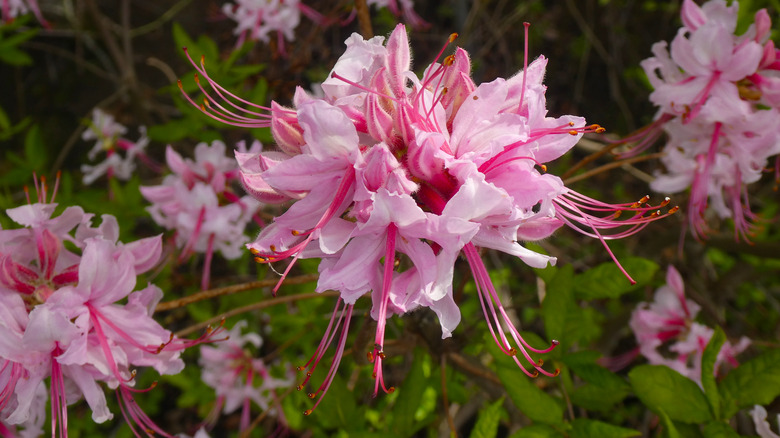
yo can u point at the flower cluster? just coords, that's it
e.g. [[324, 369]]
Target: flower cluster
[[238, 377], [258, 19], [393, 177], [61, 284], [11, 9], [763, 429], [668, 324], [401, 8], [196, 200], [719, 99], [108, 135]]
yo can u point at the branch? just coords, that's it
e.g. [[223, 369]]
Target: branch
[[251, 307], [229, 290]]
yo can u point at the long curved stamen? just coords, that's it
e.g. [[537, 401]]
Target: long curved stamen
[[379, 339], [485, 285], [327, 339]]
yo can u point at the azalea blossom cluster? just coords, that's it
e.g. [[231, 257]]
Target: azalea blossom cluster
[[763, 429], [120, 151], [70, 313], [197, 201], [239, 378], [668, 324], [719, 103], [257, 19], [392, 177], [11, 9]]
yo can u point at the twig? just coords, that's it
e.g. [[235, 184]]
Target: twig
[[228, 290], [475, 371], [251, 307], [613, 165], [590, 158], [450, 422], [167, 15], [364, 19]]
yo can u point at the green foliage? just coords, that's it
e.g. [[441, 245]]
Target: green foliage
[[606, 280], [11, 37], [755, 382], [584, 428], [535, 403], [488, 419], [709, 357], [664, 390]]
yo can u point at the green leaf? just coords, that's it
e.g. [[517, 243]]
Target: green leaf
[[182, 40], [35, 149], [709, 357], [606, 280], [559, 310], [537, 431], [717, 429], [671, 430], [487, 422], [664, 390], [532, 401], [14, 56], [755, 382], [409, 395], [584, 428]]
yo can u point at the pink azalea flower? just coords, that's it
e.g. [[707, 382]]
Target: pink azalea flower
[[13, 8], [668, 322], [239, 378], [62, 319], [197, 201], [717, 95], [394, 176], [108, 136], [763, 429], [257, 19]]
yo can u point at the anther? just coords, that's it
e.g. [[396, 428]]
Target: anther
[[254, 251], [617, 214], [513, 351], [444, 90], [453, 36], [475, 97], [370, 356], [555, 342], [572, 132], [272, 248], [206, 102], [299, 387], [540, 363], [448, 61], [381, 355], [202, 59], [300, 368], [534, 374], [311, 395], [197, 78], [571, 123], [295, 233], [673, 210], [308, 374], [391, 390], [307, 412], [644, 199], [655, 214], [665, 202], [181, 87], [600, 130], [373, 375], [543, 167], [556, 372]]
